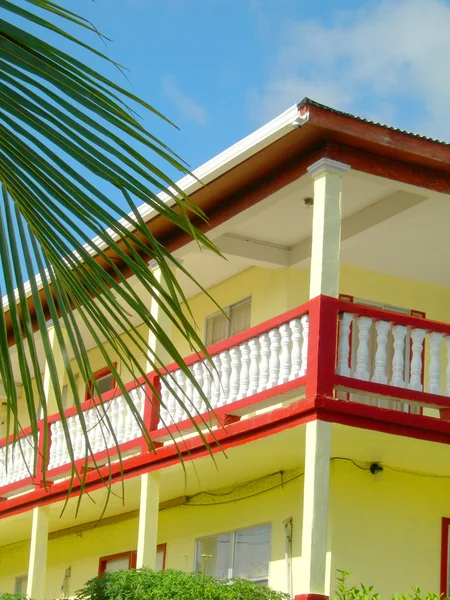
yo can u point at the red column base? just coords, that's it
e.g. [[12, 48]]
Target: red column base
[[311, 597]]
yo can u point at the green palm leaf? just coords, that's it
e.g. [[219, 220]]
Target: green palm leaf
[[67, 133]]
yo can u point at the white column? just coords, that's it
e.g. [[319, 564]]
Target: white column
[[49, 389], [37, 564], [326, 230], [162, 319], [315, 507], [148, 521]]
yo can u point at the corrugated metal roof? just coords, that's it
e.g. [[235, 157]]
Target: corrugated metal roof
[[308, 102]]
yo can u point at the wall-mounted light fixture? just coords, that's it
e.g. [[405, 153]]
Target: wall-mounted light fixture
[[376, 469]]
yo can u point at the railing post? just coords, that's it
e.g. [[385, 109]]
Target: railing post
[[322, 343], [151, 408], [42, 457]]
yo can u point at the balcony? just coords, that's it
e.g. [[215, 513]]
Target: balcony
[[348, 363]]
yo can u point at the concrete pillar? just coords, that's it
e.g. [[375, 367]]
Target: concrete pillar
[[163, 320], [315, 507], [326, 231], [37, 564], [148, 521], [49, 389]]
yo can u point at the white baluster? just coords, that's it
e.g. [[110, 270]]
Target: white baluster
[[207, 383], [274, 363], [362, 354], [264, 364], [79, 440], [120, 431], [447, 372], [415, 380], [198, 374], [398, 361], [379, 375], [189, 391], [244, 377], [179, 412], [285, 357], [72, 436], [225, 371], [113, 414], [216, 386], [296, 352], [254, 366], [235, 356], [305, 331], [100, 430], [164, 408], [343, 366], [130, 419], [20, 464], [434, 380]]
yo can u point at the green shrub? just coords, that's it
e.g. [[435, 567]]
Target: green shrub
[[144, 584], [5, 596], [363, 592]]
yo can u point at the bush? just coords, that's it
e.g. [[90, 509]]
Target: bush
[[144, 584], [363, 592], [5, 596]]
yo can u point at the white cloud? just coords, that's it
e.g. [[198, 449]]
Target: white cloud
[[373, 60], [189, 109]]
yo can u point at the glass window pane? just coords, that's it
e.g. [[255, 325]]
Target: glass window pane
[[252, 553], [217, 551], [240, 317], [159, 560], [20, 584], [216, 329], [118, 564], [105, 383]]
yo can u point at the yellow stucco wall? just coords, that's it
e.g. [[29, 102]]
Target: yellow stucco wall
[[387, 532], [179, 527], [275, 291]]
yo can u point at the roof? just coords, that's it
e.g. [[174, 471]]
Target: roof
[[307, 102]]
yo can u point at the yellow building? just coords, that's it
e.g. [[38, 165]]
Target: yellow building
[[331, 392]]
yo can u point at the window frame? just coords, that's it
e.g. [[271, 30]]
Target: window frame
[[232, 535], [99, 374], [132, 556], [16, 580], [227, 310], [445, 570]]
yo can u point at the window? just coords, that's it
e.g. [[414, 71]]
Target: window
[[105, 382], [127, 560], [220, 327], [20, 584], [244, 553]]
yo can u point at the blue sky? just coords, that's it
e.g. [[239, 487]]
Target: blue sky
[[222, 68]]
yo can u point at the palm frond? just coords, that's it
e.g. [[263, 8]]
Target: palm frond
[[67, 133]]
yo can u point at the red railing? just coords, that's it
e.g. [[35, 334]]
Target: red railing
[[257, 368]]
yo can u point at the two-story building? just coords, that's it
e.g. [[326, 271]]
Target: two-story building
[[331, 387]]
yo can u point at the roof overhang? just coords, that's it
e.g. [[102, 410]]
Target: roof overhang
[[280, 152]]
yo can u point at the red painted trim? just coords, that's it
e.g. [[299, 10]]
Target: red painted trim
[[102, 562], [162, 548], [383, 420], [98, 375], [220, 414], [310, 597], [378, 314], [444, 556], [236, 434], [391, 391], [244, 336]]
